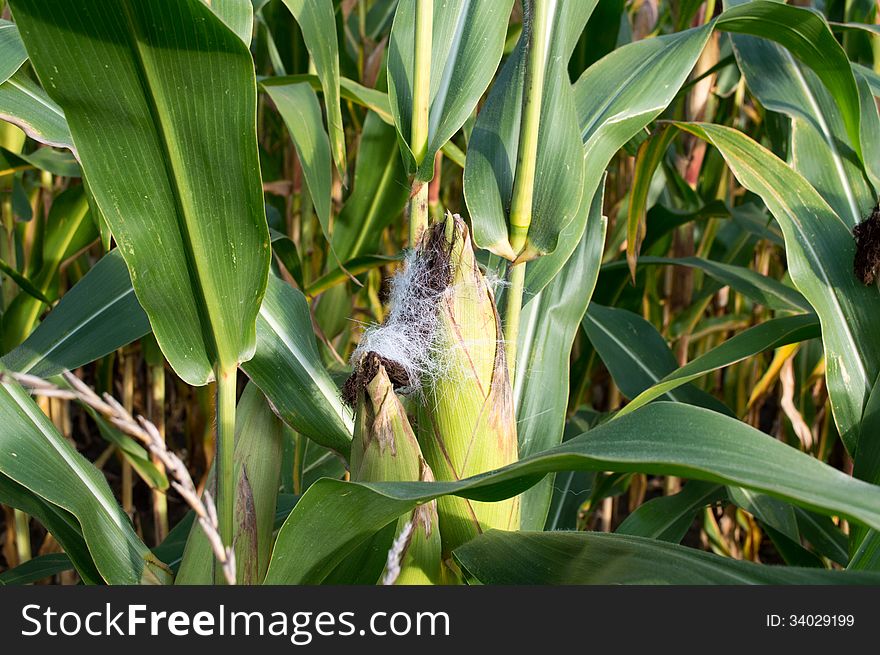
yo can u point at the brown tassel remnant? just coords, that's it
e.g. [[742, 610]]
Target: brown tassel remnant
[[866, 264]]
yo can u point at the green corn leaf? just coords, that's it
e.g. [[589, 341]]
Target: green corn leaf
[[657, 439], [823, 535], [161, 100], [372, 99], [298, 106], [595, 558], [759, 288], [288, 369], [379, 193], [34, 455], [37, 569], [649, 157], [819, 249], [238, 16], [12, 52], [104, 307], [466, 45], [494, 143], [636, 355], [548, 326], [258, 437], [770, 511], [764, 336], [60, 523], [69, 229], [807, 36], [668, 518], [318, 24], [95, 317], [24, 103], [819, 146], [614, 100]]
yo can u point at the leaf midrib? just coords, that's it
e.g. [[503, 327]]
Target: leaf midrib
[[182, 209]]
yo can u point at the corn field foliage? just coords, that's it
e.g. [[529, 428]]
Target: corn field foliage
[[439, 291]]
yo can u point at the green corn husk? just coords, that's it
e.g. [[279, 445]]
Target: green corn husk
[[385, 449], [467, 423]]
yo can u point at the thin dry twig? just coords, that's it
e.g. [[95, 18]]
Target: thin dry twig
[[147, 433]]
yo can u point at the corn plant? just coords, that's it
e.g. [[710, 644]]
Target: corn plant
[[439, 292]]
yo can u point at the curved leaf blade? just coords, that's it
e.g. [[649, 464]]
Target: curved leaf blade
[[96, 316], [34, 455], [636, 355], [657, 439], [548, 325], [494, 144], [596, 558], [24, 103], [819, 248], [161, 100], [466, 46], [764, 336], [318, 24], [12, 52], [288, 369], [298, 106]]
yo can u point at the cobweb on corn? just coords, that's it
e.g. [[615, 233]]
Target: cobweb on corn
[[410, 341], [408, 335]]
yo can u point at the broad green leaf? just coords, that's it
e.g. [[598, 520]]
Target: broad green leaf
[[36, 456], [258, 437], [494, 144], [819, 249], [298, 106], [820, 149], [870, 76], [37, 569], [318, 24], [807, 36], [96, 316], [759, 288], [161, 100], [288, 369], [549, 558], [466, 44], [764, 336], [548, 325], [379, 193], [668, 518], [238, 16], [636, 355], [24, 103], [659, 439], [12, 52]]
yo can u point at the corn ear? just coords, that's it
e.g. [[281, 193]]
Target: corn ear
[[467, 423], [385, 449]]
